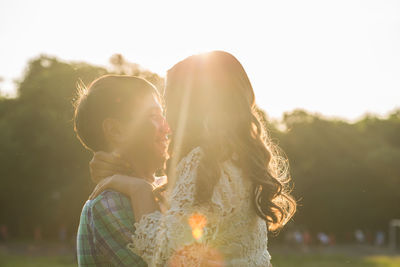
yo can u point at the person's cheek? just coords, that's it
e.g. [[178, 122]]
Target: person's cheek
[[152, 128], [145, 134]]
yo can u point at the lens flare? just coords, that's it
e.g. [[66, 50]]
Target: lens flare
[[197, 222]]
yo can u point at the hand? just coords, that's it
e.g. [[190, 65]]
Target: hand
[[105, 164], [139, 191], [129, 186]]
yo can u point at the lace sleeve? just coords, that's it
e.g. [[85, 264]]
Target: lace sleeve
[[145, 236], [226, 231], [172, 238]]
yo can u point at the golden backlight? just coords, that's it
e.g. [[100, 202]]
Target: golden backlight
[[197, 222]]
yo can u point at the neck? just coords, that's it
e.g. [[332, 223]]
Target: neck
[[142, 167], [146, 175]]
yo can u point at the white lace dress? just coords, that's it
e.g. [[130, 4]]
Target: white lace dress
[[225, 232]]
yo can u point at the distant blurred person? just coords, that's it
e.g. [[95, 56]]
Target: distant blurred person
[[307, 238], [380, 238], [359, 236], [226, 181], [298, 237], [332, 239], [120, 115], [37, 234], [323, 238], [3, 232]]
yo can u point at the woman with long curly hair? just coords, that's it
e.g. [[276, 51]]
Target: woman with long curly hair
[[227, 182]]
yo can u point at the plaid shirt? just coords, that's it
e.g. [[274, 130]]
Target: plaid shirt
[[105, 229]]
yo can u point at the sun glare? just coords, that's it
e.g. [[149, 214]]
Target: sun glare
[[197, 222]]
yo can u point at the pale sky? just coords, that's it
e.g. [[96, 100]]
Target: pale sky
[[340, 58]]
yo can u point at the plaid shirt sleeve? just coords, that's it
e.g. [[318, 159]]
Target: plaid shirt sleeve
[[113, 225]]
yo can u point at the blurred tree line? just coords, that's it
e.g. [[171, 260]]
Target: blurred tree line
[[44, 175], [346, 175]]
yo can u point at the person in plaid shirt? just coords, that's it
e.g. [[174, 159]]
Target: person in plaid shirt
[[105, 228], [120, 115]]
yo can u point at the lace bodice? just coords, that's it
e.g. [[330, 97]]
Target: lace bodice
[[226, 230]]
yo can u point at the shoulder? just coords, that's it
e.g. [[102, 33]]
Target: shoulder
[[109, 197], [188, 165], [196, 152], [111, 203], [191, 159], [182, 185]]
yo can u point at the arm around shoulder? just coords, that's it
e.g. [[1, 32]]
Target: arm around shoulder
[[112, 227]]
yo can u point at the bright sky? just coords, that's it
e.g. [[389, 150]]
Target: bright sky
[[339, 58]]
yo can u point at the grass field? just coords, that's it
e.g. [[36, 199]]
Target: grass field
[[31, 261], [279, 260], [335, 261]]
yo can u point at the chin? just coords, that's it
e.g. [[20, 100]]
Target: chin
[[160, 156], [160, 161]]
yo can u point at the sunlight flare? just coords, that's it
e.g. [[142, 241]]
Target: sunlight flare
[[197, 222]]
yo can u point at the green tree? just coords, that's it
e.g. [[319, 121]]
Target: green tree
[[44, 179]]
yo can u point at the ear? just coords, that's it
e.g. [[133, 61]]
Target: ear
[[112, 131]]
